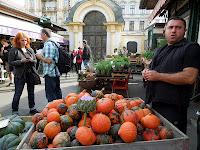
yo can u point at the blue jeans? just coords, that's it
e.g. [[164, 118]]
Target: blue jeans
[[52, 88], [86, 63], [19, 86]]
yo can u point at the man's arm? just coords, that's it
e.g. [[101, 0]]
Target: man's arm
[[187, 76], [47, 59]]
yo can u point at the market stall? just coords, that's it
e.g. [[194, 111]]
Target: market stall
[[11, 26], [102, 121], [106, 72]]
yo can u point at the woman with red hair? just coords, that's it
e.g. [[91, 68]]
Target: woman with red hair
[[22, 58]]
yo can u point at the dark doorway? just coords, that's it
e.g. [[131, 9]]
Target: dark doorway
[[95, 33], [132, 47]]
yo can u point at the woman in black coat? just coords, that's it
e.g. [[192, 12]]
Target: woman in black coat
[[22, 58]]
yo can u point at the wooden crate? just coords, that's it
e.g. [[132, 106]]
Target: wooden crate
[[30, 131], [179, 142]]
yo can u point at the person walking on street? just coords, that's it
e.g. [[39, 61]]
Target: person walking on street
[[22, 58], [49, 56], [172, 73], [79, 60], [73, 62], [86, 54], [5, 48]]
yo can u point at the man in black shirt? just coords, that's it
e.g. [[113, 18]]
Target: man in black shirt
[[172, 73]]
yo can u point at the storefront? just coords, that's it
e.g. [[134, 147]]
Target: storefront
[[11, 26], [189, 10]]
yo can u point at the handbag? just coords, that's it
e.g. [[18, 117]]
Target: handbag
[[36, 77]]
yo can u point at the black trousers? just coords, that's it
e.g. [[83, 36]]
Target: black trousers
[[78, 67], [19, 86], [175, 114]]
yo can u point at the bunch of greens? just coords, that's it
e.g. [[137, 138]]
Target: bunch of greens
[[104, 68], [120, 63], [148, 54]]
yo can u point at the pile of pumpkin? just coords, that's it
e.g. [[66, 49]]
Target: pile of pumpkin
[[82, 119], [11, 135]]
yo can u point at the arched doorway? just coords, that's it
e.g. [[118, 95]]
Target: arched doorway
[[95, 33], [132, 47]]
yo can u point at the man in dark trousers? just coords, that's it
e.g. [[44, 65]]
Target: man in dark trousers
[[172, 73], [49, 56]]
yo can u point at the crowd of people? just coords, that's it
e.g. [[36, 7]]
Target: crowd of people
[[21, 61]]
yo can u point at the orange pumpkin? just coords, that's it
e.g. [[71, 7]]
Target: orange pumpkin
[[150, 135], [120, 105], [52, 110], [150, 121], [104, 105], [85, 136], [37, 117], [140, 114], [100, 123], [81, 94], [70, 95], [38, 140], [71, 100], [88, 122], [62, 108], [62, 139], [52, 129], [114, 117], [112, 96], [119, 97], [40, 125], [53, 116], [146, 111], [55, 103], [129, 116], [45, 111], [108, 96], [128, 132], [91, 114]]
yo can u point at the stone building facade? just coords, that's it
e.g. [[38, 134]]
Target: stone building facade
[[105, 24]]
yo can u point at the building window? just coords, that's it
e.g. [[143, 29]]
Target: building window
[[142, 11], [141, 25], [132, 9], [123, 9], [131, 26]]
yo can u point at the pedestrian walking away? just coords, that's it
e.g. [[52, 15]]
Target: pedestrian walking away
[[49, 56], [22, 58], [86, 54], [172, 73]]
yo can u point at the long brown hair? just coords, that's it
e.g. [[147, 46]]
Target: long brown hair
[[17, 39]]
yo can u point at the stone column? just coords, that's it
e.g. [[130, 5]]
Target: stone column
[[75, 30], [114, 30]]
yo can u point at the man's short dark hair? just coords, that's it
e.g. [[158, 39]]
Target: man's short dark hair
[[84, 41], [46, 31], [177, 18]]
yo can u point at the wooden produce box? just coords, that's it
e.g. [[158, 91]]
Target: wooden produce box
[[87, 84], [179, 142], [26, 118]]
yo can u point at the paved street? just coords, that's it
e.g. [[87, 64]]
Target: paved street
[[69, 84]]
